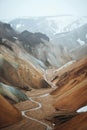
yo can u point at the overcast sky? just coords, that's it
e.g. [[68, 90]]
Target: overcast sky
[[10, 9]]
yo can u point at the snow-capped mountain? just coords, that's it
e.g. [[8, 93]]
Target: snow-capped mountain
[[75, 37], [68, 35], [49, 25]]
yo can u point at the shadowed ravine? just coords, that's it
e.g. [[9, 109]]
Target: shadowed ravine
[[36, 108]]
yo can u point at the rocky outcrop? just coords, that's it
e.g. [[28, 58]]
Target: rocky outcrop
[[8, 113], [61, 117], [32, 38]]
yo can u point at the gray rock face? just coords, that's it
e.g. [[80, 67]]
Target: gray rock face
[[12, 93]]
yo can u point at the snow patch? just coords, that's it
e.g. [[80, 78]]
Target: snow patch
[[80, 42], [65, 65], [15, 38], [82, 109], [47, 94], [86, 36], [19, 26]]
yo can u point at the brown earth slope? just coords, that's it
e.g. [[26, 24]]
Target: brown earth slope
[[69, 96], [8, 113], [71, 93], [17, 70], [78, 122]]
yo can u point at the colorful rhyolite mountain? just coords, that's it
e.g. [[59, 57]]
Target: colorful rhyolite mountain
[[70, 96]]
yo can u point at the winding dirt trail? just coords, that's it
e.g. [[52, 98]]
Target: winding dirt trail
[[36, 108]]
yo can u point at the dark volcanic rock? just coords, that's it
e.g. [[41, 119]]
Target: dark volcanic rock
[[6, 31], [32, 39], [76, 123]]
